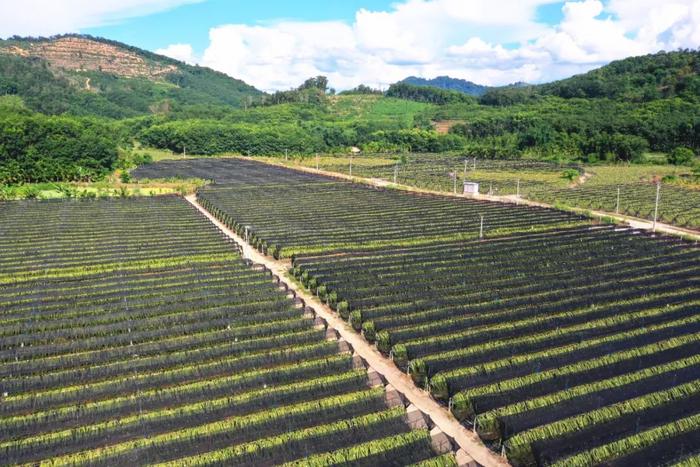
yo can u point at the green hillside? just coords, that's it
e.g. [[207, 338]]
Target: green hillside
[[81, 76], [638, 79]]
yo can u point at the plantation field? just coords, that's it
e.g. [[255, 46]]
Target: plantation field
[[434, 171], [132, 333], [290, 212], [228, 171], [579, 346], [540, 181], [558, 342]]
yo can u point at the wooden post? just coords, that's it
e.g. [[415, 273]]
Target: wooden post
[[656, 206], [316, 161], [617, 203], [396, 172], [286, 155], [465, 169], [481, 228], [351, 166], [518, 189]]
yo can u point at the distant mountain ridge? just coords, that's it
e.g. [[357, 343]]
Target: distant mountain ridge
[[87, 75], [449, 83]]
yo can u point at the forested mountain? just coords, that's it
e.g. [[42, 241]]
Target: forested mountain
[[451, 84], [636, 79], [83, 75]]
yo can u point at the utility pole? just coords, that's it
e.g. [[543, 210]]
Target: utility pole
[[481, 228], [286, 155], [656, 206], [617, 203]]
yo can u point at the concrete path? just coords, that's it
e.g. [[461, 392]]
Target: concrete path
[[441, 417]]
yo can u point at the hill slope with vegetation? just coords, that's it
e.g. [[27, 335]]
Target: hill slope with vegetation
[[133, 98], [448, 83], [83, 75]]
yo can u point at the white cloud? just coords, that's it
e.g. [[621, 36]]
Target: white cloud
[[470, 39], [486, 41], [48, 17], [182, 52]]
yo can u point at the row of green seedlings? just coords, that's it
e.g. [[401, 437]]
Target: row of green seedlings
[[381, 339], [242, 230], [488, 425], [441, 443], [330, 298]]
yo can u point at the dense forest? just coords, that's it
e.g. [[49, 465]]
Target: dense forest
[[54, 127], [39, 148]]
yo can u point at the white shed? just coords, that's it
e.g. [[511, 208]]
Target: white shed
[[471, 188]]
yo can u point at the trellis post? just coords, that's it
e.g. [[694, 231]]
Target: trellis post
[[481, 228], [517, 193], [351, 166], [286, 155], [617, 203], [396, 172], [317, 161], [656, 206], [465, 168]]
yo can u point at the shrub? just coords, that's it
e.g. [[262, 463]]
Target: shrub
[[681, 156]]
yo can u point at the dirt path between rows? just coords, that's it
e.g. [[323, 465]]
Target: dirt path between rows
[[466, 439]]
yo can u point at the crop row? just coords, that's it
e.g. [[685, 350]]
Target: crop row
[[158, 343], [522, 333], [677, 205], [312, 217]]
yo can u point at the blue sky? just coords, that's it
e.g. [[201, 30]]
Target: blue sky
[[276, 44]]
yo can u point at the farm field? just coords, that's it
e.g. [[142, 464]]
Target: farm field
[[289, 212], [132, 333], [568, 344], [574, 347], [433, 171], [224, 171], [540, 181]]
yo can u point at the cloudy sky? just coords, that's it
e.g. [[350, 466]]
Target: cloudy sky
[[276, 44]]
